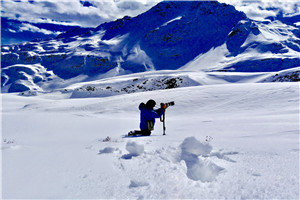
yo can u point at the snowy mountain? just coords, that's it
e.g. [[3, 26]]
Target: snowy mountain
[[192, 36]]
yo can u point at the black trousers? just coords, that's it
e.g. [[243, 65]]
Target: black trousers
[[142, 132]]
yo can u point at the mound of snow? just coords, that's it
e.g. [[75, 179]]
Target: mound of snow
[[134, 149], [192, 146], [198, 169]]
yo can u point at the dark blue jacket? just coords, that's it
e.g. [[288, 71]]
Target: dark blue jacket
[[148, 115]]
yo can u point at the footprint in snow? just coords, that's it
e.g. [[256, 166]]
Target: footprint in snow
[[107, 150], [134, 184]]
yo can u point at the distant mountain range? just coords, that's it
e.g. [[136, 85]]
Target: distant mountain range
[[195, 36]]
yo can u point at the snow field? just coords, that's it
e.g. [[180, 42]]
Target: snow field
[[59, 143]]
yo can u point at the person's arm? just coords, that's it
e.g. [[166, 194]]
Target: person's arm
[[159, 112]]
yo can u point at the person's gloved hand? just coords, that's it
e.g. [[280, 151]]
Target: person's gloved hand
[[164, 106]]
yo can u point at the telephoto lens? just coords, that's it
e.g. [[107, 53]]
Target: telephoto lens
[[172, 103]]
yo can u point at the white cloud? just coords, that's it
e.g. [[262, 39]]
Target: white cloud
[[11, 30], [31, 28], [73, 12], [260, 9]]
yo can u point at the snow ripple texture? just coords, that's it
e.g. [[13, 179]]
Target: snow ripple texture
[[197, 168]]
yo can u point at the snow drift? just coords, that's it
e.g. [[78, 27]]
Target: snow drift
[[198, 168]]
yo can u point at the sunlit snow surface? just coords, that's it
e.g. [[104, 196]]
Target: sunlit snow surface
[[222, 141]]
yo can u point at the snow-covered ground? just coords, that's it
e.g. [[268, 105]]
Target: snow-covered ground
[[227, 141]]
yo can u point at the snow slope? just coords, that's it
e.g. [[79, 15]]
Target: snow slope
[[227, 141], [168, 79]]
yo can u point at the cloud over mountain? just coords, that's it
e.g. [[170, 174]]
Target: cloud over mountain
[[69, 12]]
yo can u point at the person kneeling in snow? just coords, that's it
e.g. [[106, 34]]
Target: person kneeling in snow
[[147, 117]]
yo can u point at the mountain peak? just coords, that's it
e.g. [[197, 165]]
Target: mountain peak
[[168, 36]]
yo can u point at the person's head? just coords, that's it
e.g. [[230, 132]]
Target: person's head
[[150, 104]]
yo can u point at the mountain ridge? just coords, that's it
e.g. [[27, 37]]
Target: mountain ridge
[[168, 36]]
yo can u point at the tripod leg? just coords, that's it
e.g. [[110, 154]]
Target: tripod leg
[[164, 125]]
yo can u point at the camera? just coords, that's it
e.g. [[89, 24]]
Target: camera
[[172, 103]]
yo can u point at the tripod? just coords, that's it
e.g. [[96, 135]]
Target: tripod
[[162, 119]]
